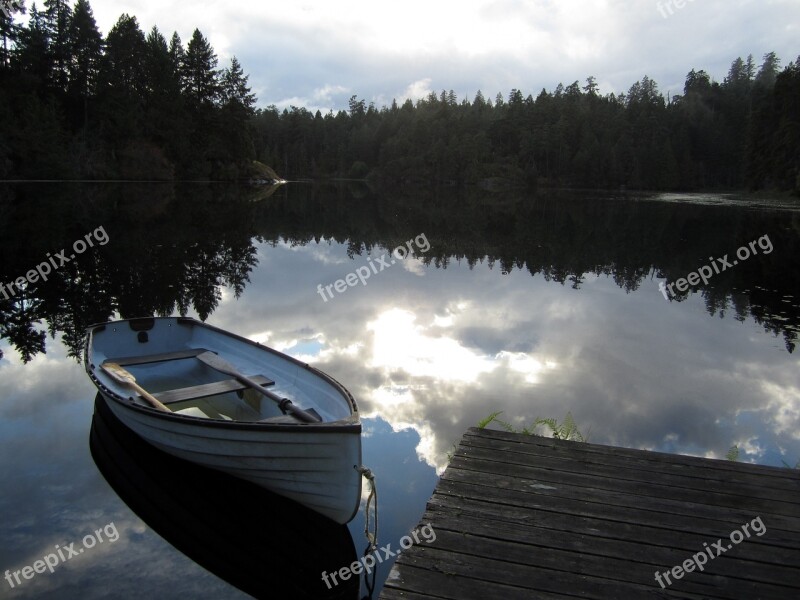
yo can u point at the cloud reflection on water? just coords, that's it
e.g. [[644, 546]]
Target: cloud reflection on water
[[437, 350]]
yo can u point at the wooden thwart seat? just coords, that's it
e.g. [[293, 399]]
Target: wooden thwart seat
[[193, 392], [208, 389], [154, 358]]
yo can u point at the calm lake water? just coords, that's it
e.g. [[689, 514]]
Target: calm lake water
[[533, 304]]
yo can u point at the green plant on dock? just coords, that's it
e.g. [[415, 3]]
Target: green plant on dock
[[492, 417], [452, 452], [733, 453], [566, 430]]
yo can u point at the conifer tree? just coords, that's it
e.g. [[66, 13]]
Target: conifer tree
[[200, 71], [85, 50], [234, 88], [57, 17]]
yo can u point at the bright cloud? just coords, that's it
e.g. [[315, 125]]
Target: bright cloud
[[400, 344], [317, 53]]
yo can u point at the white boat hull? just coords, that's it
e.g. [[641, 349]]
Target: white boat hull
[[315, 464]]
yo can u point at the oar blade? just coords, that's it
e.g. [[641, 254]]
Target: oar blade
[[119, 373], [218, 363]]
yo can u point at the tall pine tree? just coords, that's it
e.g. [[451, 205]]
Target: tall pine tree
[[85, 46], [200, 71], [57, 17], [123, 80]]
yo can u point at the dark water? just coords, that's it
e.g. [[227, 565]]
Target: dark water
[[529, 304]]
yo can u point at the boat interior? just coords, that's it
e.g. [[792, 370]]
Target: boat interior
[[171, 377], [162, 355]]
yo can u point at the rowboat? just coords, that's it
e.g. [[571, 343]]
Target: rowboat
[[221, 522], [222, 401]]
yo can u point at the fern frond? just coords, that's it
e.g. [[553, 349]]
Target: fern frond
[[568, 430], [452, 452], [551, 424], [507, 426], [486, 420], [733, 453]]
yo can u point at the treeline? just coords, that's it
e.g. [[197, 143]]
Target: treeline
[[175, 248], [129, 106], [743, 132], [133, 106], [563, 235], [172, 249]]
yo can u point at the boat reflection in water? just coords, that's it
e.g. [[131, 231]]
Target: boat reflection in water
[[265, 545]]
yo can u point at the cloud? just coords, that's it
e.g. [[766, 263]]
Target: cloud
[[322, 99], [416, 90], [438, 353], [316, 53]]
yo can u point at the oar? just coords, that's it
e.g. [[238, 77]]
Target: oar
[[223, 366], [127, 378]]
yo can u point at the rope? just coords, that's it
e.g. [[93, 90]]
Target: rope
[[372, 538]]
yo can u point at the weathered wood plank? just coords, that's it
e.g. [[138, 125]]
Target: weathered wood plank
[[622, 560], [638, 469], [537, 580], [483, 461], [613, 523], [608, 570], [434, 582], [521, 516], [615, 453], [539, 493], [398, 594], [561, 490], [204, 390], [145, 359]]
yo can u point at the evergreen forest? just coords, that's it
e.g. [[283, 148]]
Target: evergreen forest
[[145, 106]]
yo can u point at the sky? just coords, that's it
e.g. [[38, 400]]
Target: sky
[[318, 53]]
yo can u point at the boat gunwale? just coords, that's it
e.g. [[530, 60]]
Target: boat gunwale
[[348, 425]]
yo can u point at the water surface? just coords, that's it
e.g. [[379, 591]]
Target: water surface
[[529, 304]]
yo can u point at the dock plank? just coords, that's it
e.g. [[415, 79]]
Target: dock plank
[[556, 548], [603, 497], [520, 516], [778, 479], [608, 477], [619, 455]]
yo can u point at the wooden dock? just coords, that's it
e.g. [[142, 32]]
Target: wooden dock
[[524, 517]]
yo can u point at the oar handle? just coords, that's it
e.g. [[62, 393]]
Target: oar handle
[[285, 404], [149, 397]]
